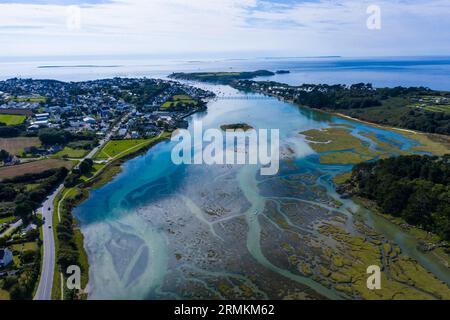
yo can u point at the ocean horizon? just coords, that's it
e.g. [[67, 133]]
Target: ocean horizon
[[427, 71]]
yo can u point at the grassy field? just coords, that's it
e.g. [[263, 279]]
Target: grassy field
[[17, 145], [342, 178], [33, 167], [438, 108], [11, 119], [429, 144], [36, 99], [404, 278], [70, 153], [178, 99], [115, 148], [7, 219], [27, 246], [4, 295], [338, 146]]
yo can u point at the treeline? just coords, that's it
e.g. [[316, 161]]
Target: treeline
[[12, 131], [415, 188], [49, 136], [84, 168], [68, 252], [360, 101], [361, 96], [20, 201]]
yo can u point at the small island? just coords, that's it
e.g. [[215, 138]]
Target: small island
[[236, 126], [282, 72], [221, 77]]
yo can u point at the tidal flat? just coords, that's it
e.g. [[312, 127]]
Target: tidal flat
[[161, 231]]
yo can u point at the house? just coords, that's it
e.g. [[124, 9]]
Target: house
[[42, 116], [28, 229], [134, 135], [12, 161], [6, 257], [41, 124], [76, 124], [122, 132], [89, 120], [55, 148]]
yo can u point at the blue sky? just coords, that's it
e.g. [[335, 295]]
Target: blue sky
[[223, 27]]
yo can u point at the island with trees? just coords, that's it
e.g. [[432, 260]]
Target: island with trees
[[220, 77], [236, 126]]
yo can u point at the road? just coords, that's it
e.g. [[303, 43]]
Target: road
[[44, 291]]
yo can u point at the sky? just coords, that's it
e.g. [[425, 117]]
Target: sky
[[233, 28]]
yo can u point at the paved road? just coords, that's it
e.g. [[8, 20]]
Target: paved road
[[44, 291]]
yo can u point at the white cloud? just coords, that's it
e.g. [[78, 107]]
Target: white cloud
[[177, 26]]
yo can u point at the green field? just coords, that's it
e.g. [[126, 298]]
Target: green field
[[115, 148], [70, 153], [27, 246], [11, 119], [438, 108], [7, 219], [36, 99], [338, 146], [177, 99]]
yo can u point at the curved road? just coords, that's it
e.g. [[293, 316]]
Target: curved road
[[44, 291]]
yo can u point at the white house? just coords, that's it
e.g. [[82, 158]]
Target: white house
[[6, 257], [41, 124], [89, 120]]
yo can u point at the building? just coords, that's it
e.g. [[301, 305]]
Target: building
[[122, 132], [40, 124], [6, 257], [89, 120], [28, 229], [42, 116]]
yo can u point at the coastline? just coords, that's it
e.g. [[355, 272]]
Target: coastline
[[100, 178], [107, 173], [424, 138]]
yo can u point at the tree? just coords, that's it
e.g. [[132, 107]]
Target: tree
[[86, 166], [53, 136], [24, 211], [4, 155]]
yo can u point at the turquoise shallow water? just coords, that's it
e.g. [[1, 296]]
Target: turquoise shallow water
[[131, 225]]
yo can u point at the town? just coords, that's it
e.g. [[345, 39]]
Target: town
[[62, 134]]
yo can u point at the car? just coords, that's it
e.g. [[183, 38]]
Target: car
[[49, 208], [49, 227]]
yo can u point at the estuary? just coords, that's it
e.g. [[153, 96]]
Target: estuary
[[164, 231]]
